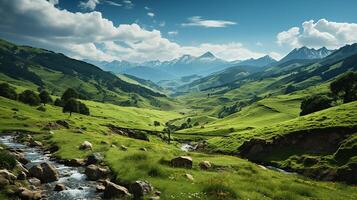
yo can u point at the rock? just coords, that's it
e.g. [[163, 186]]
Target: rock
[[157, 193], [205, 165], [21, 176], [124, 148], [113, 191], [104, 142], [94, 158], [21, 158], [63, 123], [1, 148], [21, 168], [182, 161], [86, 145], [75, 162], [45, 172], [140, 188], [7, 175], [35, 143], [154, 198], [143, 149], [113, 146], [100, 188], [27, 194], [3, 182], [94, 172], [189, 177], [34, 181], [262, 167], [59, 187]]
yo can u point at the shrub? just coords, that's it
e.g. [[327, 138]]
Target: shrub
[[315, 103], [30, 97], [156, 123], [7, 160], [45, 97], [7, 92]]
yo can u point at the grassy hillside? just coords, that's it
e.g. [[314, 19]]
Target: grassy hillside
[[39, 68], [230, 178]]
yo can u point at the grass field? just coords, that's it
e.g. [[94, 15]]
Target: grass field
[[230, 178]]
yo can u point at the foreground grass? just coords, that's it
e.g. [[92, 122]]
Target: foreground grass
[[230, 178]]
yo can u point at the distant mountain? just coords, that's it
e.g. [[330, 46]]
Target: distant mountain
[[306, 53], [149, 73], [259, 62]]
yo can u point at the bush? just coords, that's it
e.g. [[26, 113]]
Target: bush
[[7, 92], [30, 97], [156, 123], [315, 103], [45, 97], [7, 160], [345, 87]]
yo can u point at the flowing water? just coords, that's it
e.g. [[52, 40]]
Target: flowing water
[[72, 177]]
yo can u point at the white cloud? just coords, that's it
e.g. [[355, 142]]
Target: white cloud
[[259, 44], [128, 4], [89, 35], [89, 5], [112, 3], [54, 2], [172, 33], [162, 24], [198, 21], [151, 14], [146, 8], [318, 34]]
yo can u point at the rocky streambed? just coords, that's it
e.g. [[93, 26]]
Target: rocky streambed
[[72, 183]]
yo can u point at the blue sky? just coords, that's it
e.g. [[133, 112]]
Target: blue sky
[[231, 29]]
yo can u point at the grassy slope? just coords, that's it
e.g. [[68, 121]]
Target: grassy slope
[[246, 179], [340, 116]]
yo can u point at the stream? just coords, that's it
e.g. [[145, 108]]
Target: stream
[[72, 177]]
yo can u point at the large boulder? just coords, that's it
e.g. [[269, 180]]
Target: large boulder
[[75, 162], [45, 172], [86, 146], [95, 173], [113, 191], [34, 143], [35, 181], [94, 158], [59, 187], [7, 175], [27, 194], [182, 161], [205, 165], [140, 188]]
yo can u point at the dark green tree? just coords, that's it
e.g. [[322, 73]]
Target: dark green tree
[[156, 123], [315, 103], [72, 105], [7, 92], [188, 120], [45, 97], [58, 102], [345, 87], [68, 94], [83, 109], [30, 97]]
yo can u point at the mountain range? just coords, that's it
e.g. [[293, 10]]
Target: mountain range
[[203, 65]]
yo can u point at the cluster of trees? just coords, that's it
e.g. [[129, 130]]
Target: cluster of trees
[[28, 96], [342, 89], [68, 101], [228, 110], [70, 104]]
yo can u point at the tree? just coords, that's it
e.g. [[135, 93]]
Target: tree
[[188, 120], [68, 94], [58, 102], [7, 92], [72, 105], [45, 97], [315, 103], [83, 109], [30, 97], [345, 87]]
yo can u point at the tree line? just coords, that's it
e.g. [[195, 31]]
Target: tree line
[[68, 101]]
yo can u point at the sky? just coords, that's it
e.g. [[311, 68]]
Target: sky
[[144, 30]]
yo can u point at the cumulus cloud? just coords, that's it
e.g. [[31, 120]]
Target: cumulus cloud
[[151, 14], [89, 5], [54, 2], [128, 4], [198, 21], [91, 36], [319, 34]]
